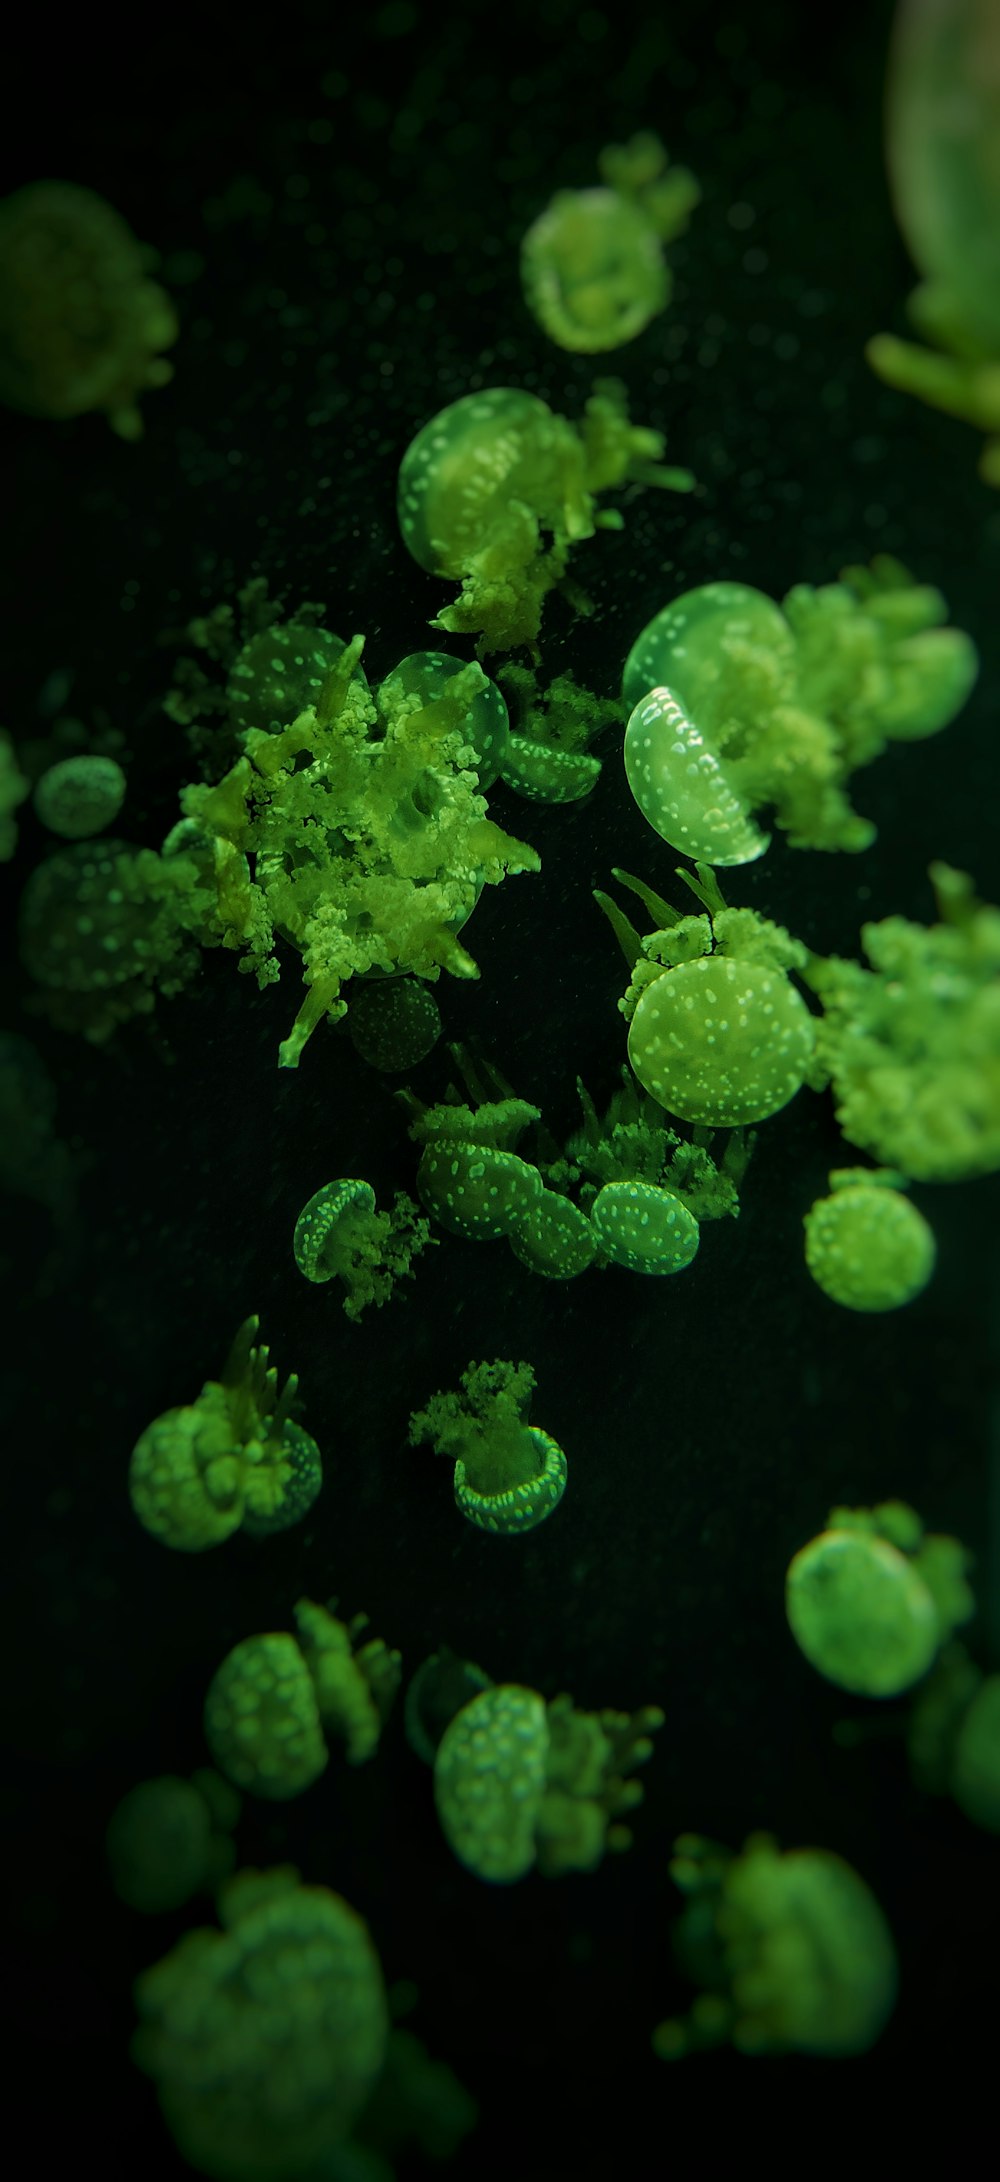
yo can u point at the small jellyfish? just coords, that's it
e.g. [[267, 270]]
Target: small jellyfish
[[643, 1227], [265, 2039], [721, 1041], [592, 265], [518, 1782], [552, 1237], [279, 671], [276, 1697], [496, 489], [80, 796], [867, 1246], [339, 1235], [871, 1600], [509, 1475], [475, 1191], [737, 705], [233, 1456], [393, 1023], [793, 1947], [169, 1839], [81, 327]]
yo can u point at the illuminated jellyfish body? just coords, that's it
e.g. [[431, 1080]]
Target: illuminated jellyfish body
[[690, 674], [592, 265], [912, 1044], [871, 1600], [80, 796], [520, 1783], [81, 327], [534, 765], [264, 2039], [738, 704], [790, 1948], [276, 1697], [509, 1475], [953, 1736], [943, 152], [867, 1246], [234, 1457], [496, 489], [360, 832], [339, 1235], [169, 1839]]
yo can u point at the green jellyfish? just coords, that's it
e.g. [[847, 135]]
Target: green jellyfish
[[276, 1697], [509, 1475], [737, 705], [718, 1034], [169, 1839], [265, 2039], [953, 1735], [488, 478], [592, 265], [520, 1783], [790, 1947], [103, 926], [80, 796], [911, 1045], [871, 1600], [356, 831], [867, 1246], [340, 1235], [232, 1457], [942, 131], [81, 327], [394, 1023]]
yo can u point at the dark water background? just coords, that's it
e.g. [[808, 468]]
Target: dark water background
[[710, 1422]]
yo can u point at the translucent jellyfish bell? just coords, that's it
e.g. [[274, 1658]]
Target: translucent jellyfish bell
[[713, 655], [680, 785]]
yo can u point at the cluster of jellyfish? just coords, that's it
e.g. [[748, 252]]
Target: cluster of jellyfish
[[348, 820]]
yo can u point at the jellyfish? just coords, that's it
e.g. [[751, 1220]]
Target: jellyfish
[[14, 788], [81, 326], [867, 1246], [953, 1736], [494, 476], [509, 1475], [592, 265], [265, 2039], [737, 705], [232, 1457], [276, 1697], [80, 796], [872, 1599], [340, 1235], [519, 1783], [790, 1947], [358, 829], [169, 1839], [942, 130], [644, 1227], [394, 1023]]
